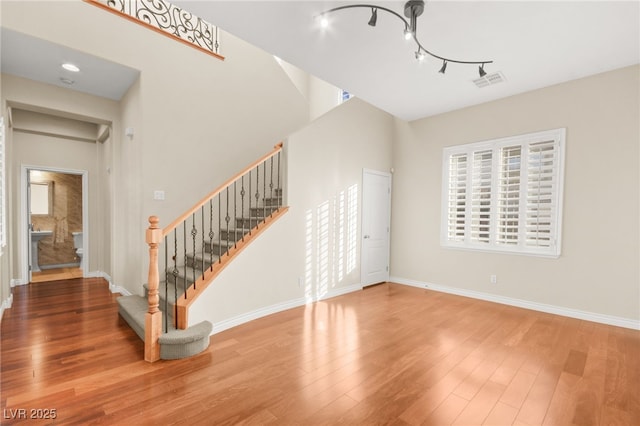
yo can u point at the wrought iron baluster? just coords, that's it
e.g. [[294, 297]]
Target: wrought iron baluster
[[211, 234], [202, 233], [279, 191], [175, 273], [166, 285], [227, 218], [250, 197], [257, 193], [184, 242], [264, 189], [219, 228], [242, 193], [235, 212], [271, 189], [194, 234]]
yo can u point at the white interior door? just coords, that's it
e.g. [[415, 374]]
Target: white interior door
[[376, 222]]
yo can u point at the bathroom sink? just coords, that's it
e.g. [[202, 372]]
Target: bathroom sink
[[38, 235], [35, 237]]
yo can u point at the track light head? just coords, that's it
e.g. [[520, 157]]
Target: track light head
[[374, 17], [412, 10]]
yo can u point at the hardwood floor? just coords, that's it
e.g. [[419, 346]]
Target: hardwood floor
[[56, 274], [389, 354]]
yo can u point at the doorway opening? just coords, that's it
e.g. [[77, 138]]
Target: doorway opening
[[56, 223]]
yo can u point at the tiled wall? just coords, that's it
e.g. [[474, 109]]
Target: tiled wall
[[66, 218]]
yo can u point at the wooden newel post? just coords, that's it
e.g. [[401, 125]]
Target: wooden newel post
[[153, 318]]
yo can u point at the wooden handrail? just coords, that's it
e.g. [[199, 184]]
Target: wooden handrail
[[277, 148]]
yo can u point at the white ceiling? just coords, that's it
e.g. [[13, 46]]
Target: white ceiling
[[41, 60], [534, 44]]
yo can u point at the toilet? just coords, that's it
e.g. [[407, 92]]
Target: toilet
[[77, 244]]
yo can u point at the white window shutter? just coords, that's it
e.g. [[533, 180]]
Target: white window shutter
[[480, 226], [457, 197], [509, 193], [541, 193], [505, 194]]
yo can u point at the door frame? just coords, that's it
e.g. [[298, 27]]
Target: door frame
[[25, 216], [389, 176]]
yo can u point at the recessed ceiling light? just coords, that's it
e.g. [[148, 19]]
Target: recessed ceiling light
[[66, 80], [70, 67]]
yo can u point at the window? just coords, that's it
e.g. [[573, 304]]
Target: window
[[3, 209], [344, 95], [505, 195]]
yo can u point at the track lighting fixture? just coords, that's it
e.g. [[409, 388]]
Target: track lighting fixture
[[481, 71], [412, 9], [374, 17]]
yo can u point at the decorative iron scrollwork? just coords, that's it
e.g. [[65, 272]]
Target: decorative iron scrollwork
[[171, 19]]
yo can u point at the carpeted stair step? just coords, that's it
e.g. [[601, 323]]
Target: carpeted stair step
[[262, 212], [183, 273], [174, 344], [233, 234], [202, 261]]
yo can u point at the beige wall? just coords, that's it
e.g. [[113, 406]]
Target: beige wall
[[53, 150], [325, 161], [598, 271], [197, 120]]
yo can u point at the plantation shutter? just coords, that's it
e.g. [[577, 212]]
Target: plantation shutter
[[509, 195], [457, 197], [3, 201], [505, 194], [481, 196], [541, 194]]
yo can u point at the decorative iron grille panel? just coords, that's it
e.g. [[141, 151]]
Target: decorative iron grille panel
[[171, 19]]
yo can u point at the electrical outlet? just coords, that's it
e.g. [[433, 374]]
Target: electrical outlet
[[494, 279], [300, 282]]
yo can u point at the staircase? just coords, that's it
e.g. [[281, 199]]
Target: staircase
[[197, 247]]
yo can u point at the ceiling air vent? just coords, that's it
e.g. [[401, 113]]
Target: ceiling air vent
[[489, 79]]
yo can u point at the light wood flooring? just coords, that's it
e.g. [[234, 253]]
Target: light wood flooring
[[389, 354], [56, 274]]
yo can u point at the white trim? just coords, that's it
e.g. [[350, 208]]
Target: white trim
[[18, 281], [6, 304], [113, 288], [24, 237], [279, 307], [633, 324]]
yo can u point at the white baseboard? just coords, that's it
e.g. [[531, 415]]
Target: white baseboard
[[113, 288], [6, 304], [535, 306], [279, 307], [18, 281]]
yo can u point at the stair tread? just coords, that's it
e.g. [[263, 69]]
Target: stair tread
[[174, 343]]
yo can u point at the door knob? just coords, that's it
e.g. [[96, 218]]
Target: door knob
[[366, 236]]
